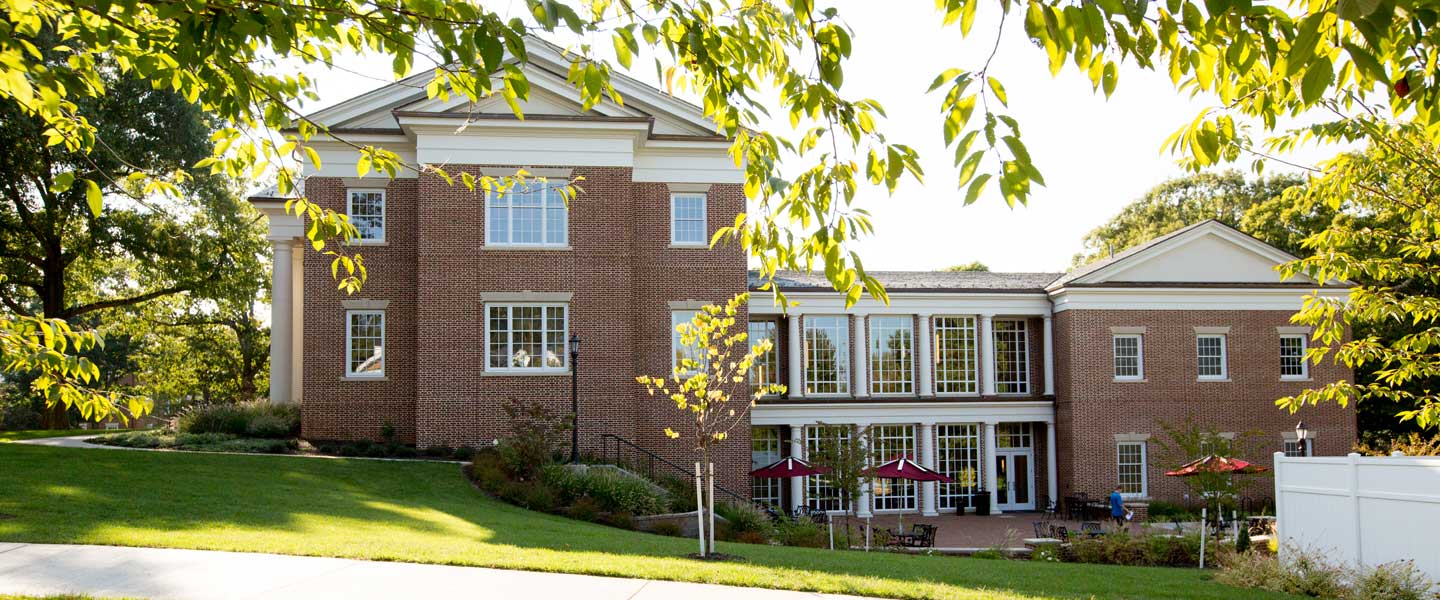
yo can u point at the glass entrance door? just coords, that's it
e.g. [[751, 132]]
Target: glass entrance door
[[1014, 480]]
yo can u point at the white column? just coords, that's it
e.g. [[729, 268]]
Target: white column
[[928, 489], [922, 343], [864, 503], [297, 324], [991, 479], [1049, 357], [281, 315], [987, 355], [861, 366], [797, 449], [796, 366], [1051, 468]]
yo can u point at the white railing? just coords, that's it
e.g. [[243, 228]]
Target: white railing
[[1365, 510]]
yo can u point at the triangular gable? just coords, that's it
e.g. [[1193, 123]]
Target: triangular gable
[[550, 95], [1207, 253]]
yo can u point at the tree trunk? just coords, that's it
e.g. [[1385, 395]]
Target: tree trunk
[[57, 415]]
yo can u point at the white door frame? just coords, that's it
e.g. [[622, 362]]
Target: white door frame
[[1008, 455]]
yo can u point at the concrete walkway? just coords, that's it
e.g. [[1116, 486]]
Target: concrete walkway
[[165, 574]]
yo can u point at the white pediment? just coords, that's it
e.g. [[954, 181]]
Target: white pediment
[[550, 94], [1208, 253]]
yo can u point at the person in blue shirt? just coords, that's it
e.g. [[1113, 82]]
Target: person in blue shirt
[[1117, 508]]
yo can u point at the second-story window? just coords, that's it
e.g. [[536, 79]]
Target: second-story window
[[679, 350], [1012, 357], [1210, 354], [892, 362], [827, 355], [366, 209], [1129, 357], [956, 370], [532, 214], [1292, 357], [766, 370], [687, 219]]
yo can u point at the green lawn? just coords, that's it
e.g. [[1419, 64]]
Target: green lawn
[[427, 512], [35, 434]]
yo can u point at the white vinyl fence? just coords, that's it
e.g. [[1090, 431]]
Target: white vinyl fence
[[1366, 510]]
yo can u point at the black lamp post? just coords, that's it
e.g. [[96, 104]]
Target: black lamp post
[[1302, 433], [574, 399]]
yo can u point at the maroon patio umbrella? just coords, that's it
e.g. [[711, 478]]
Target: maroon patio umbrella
[[1216, 464], [904, 468], [788, 467]]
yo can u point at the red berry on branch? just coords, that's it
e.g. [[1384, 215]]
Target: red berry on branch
[[1402, 87]]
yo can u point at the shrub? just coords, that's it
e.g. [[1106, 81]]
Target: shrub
[[751, 537], [745, 519], [464, 453], [801, 532], [1309, 573], [621, 519], [534, 495], [134, 439], [256, 418], [1046, 553], [486, 471], [440, 451], [1242, 541], [611, 489], [1125, 549], [681, 493], [668, 528], [1398, 580], [529, 446], [989, 554], [389, 434], [584, 509], [268, 426]]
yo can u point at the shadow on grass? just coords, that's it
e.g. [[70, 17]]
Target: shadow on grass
[[427, 512]]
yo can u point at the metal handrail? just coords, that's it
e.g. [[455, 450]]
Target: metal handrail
[[609, 441]]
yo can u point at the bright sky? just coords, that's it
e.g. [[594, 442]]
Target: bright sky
[[1096, 155]]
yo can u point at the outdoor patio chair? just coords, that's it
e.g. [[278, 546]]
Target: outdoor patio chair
[[1040, 529], [1049, 508], [922, 536], [1059, 533], [1092, 529]]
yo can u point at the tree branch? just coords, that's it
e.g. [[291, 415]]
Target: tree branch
[[94, 306]]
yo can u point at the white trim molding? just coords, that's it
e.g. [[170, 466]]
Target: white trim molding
[[689, 188], [1128, 330], [1188, 298], [1132, 437], [530, 172], [1293, 330], [364, 304], [525, 296], [1212, 330], [688, 304]]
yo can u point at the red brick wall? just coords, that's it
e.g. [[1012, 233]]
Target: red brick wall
[[620, 269], [1091, 407], [335, 409]]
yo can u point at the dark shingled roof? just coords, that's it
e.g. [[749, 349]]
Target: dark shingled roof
[[922, 281]]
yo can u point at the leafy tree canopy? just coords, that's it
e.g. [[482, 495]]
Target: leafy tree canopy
[[970, 266], [1181, 202]]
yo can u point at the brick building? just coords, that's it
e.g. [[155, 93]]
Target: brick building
[[1026, 385]]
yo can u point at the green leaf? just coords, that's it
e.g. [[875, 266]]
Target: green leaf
[[976, 186], [1317, 80], [1109, 78], [940, 79], [93, 197], [999, 91]]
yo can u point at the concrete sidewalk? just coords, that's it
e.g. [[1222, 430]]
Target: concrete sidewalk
[[165, 574]]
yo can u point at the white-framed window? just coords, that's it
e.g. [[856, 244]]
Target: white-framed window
[[526, 338], [890, 442], [1130, 463], [819, 493], [1014, 435], [1129, 356], [687, 219], [892, 360], [1292, 357], [1012, 357], [366, 209], [766, 370], [956, 366], [957, 454], [365, 343], [1210, 355], [765, 449], [827, 355], [1295, 448], [679, 351], [529, 214]]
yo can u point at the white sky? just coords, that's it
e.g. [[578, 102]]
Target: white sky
[[1096, 155]]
